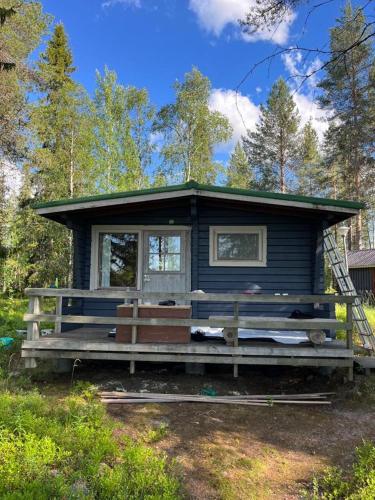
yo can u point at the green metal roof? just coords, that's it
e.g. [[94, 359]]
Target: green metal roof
[[203, 187]]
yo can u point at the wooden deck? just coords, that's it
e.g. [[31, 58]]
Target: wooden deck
[[92, 342]]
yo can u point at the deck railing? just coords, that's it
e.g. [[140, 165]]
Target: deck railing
[[35, 312]]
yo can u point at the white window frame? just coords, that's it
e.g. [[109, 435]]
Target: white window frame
[[94, 263], [139, 229], [260, 230]]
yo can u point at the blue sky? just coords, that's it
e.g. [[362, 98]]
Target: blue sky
[[151, 43]]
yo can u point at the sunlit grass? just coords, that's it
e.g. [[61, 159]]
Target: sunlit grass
[[341, 316]]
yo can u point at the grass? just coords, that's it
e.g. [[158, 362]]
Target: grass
[[341, 316], [357, 484], [66, 448], [69, 447]]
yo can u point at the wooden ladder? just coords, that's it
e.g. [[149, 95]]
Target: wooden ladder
[[346, 286]]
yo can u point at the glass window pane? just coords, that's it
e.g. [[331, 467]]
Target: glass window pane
[[155, 244], [172, 244], [118, 258], [164, 253], [173, 262], [240, 246], [155, 262]]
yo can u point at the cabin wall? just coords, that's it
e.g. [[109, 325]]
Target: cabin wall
[[294, 265], [291, 260], [363, 279]]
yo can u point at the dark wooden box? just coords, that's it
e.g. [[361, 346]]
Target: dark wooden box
[[157, 334]]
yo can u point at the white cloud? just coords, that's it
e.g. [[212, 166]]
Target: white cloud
[[258, 90], [242, 114], [299, 69], [125, 3], [215, 15], [309, 109], [305, 89]]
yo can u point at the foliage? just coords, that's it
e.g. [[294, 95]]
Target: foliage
[[122, 145], [341, 316], [309, 170], [66, 449], [191, 131], [239, 173], [349, 96], [360, 484], [272, 148]]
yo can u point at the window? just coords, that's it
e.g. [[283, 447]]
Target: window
[[164, 253], [238, 246], [117, 260]]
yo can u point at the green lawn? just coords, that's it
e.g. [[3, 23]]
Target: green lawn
[[67, 447]]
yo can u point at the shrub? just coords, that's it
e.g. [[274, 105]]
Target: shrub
[[53, 448], [359, 485]]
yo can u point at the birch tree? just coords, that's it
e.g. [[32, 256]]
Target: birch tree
[[190, 131], [123, 147]]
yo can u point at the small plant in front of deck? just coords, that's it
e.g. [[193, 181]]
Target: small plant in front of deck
[[359, 484], [157, 433]]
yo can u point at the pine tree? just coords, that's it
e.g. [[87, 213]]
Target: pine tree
[[239, 173], [272, 148], [310, 175], [59, 166], [348, 94], [191, 131]]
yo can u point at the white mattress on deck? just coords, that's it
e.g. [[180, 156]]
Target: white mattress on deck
[[282, 336]]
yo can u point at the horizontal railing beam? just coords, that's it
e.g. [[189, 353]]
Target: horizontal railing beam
[[190, 296], [334, 350], [248, 322]]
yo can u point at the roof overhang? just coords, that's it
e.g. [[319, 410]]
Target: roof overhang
[[72, 206]]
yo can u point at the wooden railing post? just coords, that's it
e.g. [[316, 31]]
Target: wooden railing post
[[59, 300], [349, 335], [236, 310], [134, 333], [33, 328]]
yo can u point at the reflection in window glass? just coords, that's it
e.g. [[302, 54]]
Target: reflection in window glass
[[164, 253], [239, 246], [118, 258]]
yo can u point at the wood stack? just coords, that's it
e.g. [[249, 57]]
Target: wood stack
[[117, 397]]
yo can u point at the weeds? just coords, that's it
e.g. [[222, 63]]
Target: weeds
[[65, 448], [359, 484]]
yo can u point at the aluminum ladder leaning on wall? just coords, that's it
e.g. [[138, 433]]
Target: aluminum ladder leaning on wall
[[346, 286]]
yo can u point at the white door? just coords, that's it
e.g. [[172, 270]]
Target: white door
[[166, 261]]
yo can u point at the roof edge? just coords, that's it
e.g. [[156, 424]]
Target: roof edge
[[192, 185]]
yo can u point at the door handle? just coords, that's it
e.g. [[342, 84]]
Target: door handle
[[146, 278]]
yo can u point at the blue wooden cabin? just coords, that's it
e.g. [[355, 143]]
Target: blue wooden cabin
[[196, 237]]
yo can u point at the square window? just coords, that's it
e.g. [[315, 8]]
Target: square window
[[238, 246], [164, 253]]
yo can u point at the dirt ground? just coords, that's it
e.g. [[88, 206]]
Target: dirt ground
[[229, 452]]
